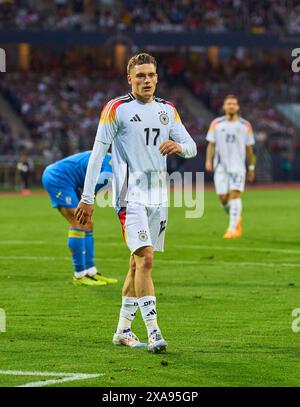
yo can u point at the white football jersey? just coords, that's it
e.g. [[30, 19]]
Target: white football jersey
[[231, 139], [136, 130]]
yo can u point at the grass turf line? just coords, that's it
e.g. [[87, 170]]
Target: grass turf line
[[227, 325]]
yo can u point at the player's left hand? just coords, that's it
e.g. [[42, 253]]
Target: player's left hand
[[84, 213], [170, 147], [251, 176]]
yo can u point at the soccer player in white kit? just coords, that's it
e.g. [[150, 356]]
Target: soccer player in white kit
[[230, 145], [142, 130]]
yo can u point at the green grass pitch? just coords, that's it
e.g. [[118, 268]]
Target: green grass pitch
[[224, 306]]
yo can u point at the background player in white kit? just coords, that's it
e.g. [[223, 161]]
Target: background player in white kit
[[230, 145], [142, 130]]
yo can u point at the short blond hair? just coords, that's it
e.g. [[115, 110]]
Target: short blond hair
[[140, 59], [231, 96]]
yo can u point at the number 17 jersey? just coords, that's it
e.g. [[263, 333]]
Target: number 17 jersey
[[136, 130]]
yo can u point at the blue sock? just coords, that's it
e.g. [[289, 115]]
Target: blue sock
[[89, 249], [77, 248]]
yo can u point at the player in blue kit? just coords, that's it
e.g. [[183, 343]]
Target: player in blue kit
[[64, 180]]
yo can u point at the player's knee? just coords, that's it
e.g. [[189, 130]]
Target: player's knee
[[89, 225], [70, 215], [144, 258], [223, 199], [148, 260], [235, 194], [75, 224]]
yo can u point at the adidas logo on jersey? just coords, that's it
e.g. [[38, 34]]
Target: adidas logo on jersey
[[136, 118]]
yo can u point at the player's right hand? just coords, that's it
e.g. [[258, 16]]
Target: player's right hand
[[208, 166], [84, 213]]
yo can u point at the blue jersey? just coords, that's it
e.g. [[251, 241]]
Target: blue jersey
[[64, 179]]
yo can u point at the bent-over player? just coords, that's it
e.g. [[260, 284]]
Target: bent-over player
[[63, 180]]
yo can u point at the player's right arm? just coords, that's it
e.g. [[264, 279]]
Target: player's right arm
[[106, 132], [210, 150]]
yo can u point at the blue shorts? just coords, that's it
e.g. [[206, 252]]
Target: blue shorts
[[62, 196]]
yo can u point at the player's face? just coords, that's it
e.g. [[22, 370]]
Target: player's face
[[231, 107], [143, 81]]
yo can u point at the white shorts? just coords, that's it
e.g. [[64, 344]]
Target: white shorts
[[228, 181], [144, 226]]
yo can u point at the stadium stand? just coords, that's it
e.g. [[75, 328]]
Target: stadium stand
[[61, 108], [62, 111], [59, 99], [256, 16], [8, 140]]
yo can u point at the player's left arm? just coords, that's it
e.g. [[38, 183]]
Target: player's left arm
[[180, 143], [250, 157]]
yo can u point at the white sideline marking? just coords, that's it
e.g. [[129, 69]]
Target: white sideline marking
[[8, 242], [182, 246], [239, 249], [42, 258], [109, 259], [170, 261], [248, 263], [63, 377]]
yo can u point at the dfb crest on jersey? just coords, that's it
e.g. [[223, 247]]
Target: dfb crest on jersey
[[143, 235], [164, 118]]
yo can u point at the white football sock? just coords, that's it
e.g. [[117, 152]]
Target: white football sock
[[235, 212], [127, 313], [79, 274], [147, 306]]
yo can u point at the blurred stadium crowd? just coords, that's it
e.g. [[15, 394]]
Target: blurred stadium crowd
[[62, 111], [61, 107], [59, 97], [256, 16]]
